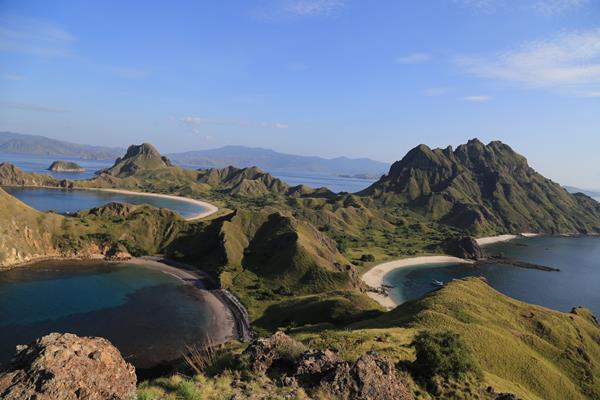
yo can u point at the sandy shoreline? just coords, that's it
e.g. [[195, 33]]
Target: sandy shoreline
[[209, 208], [375, 276], [502, 238]]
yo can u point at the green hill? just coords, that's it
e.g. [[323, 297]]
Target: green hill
[[485, 189], [65, 166], [522, 348], [138, 157]]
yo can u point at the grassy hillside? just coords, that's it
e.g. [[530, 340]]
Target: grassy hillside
[[525, 349]]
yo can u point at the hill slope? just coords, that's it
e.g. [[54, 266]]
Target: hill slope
[[526, 349], [485, 189]]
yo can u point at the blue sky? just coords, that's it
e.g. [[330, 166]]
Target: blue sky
[[316, 77]]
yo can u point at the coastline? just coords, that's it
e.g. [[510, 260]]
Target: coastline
[[503, 238], [208, 207], [229, 319], [375, 276]]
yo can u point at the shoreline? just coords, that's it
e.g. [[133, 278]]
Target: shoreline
[[228, 320], [209, 208], [503, 238], [374, 277]]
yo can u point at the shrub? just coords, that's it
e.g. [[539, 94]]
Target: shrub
[[442, 354], [367, 258]]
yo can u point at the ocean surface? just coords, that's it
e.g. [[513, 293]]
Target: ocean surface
[[40, 164], [577, 283], [72, 200], [148, 315]]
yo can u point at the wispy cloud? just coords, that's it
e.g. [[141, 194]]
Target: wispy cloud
[[313, 8], [30, 107], [200, 121], [129, 72], [12, 77], [436, 91], [413, 58], [568, 62], [555, 7], [29, 36], [540, 7], [477, 99]]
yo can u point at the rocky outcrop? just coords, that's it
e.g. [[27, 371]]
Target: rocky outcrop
[[371, 377], [68, 367], [11, 175], [65, 166], [138, 158], [465, 247]]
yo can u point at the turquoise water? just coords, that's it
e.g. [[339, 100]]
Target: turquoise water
[[577, 283], [147, 314], [69, 201]]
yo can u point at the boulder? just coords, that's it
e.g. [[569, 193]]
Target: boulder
[[276, 349], [371, 377], [465, 247], [67, 367]]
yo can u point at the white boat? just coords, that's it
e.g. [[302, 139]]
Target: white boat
[[437, 283]]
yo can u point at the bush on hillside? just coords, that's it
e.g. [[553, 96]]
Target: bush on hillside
[[442, 354]]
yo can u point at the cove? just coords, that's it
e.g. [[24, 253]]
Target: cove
[[576, 284], [73, 200], [148, 315]]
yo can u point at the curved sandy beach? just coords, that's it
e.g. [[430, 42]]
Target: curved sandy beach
[[502, 238], [375, 276], [209, 208]]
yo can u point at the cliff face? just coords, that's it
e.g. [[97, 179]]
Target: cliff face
[[484, 189]]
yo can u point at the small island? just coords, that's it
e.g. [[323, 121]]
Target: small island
[[65, 166]]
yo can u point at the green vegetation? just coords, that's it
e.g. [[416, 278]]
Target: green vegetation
[[65, 166], [442, 354]]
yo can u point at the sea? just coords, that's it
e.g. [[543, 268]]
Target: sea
[[576, 284]]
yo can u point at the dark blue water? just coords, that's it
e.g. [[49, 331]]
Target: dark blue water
[[68, 201], [577, 283], [147, 314], [40, 164]]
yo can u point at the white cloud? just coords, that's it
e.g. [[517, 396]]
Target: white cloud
[[414, 58], [199, 121], [312, 8], [568, 62], [436, 91], [477, 99], [34, 37], [555, 7], [31, 107], [540, 7]]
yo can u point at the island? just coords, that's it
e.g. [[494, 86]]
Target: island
[[65, 166]]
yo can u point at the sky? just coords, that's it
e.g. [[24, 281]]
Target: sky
[[314, 77]]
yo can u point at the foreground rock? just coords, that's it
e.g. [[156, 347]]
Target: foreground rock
[[371, 377], [67, 367]]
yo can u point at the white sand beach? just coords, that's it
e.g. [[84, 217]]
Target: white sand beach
[[503, 238], [374, 277], [209, 209]]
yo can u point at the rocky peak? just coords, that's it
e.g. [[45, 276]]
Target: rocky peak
[[138, 157], [68, 367]]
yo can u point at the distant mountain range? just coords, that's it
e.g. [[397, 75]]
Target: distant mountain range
[[43, 146], [237, 156], [591, 193]]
